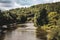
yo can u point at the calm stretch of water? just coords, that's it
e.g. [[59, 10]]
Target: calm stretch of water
[[27, 33]]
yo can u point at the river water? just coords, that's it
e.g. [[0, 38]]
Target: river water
[[21, 33]]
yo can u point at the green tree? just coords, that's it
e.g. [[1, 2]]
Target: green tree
[[53, 18], [21, 19], [41, 18]]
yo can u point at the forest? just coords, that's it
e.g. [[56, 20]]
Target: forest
[[44, 16]]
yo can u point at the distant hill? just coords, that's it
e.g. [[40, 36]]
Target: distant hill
[[30, 11], [34, 8]]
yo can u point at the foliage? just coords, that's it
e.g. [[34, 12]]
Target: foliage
[[51, 32], [53, 17], [21, 19], [41, 33], [41, 18]]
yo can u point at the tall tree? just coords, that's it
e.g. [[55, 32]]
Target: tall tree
[[42, 19]]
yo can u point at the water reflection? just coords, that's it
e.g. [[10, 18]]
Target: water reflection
[[2, 35], [20, 34]]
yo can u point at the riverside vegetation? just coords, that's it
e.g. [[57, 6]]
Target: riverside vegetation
[[44, 16]]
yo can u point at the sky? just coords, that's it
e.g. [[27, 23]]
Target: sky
[[10, 4]]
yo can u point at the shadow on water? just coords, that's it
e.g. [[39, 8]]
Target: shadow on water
[[4, 31], [2, 35], [41, 34]]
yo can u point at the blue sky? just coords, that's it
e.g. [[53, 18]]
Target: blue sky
[[9, 4]]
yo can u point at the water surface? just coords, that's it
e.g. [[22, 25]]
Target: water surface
[[26, 33]]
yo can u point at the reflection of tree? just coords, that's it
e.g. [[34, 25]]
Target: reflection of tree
[[41, 34], [2, 35]]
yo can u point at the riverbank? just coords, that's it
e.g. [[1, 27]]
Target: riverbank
[[26, 26], [8, 27]]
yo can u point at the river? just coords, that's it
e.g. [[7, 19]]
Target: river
[[21, 33]]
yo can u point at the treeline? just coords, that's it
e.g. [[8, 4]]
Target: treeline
[[31, 11], [10, 18], [20, 15]]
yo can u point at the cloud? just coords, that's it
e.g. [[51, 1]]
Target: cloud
[[50, 1], [16, 5], [56, 0], [25, 2], [6, 4], [9, 4]]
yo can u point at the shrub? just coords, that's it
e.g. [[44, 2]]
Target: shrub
[[51, 32]]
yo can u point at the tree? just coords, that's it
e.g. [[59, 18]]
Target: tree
[[21, 19], [14, 16], [42, 17], [53, 17], [1, 18]]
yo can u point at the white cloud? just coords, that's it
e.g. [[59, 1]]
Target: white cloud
[[34, 0], [12, 5], [22, 3], [52, 1], [16, 5], [56, 0], [47, 0]]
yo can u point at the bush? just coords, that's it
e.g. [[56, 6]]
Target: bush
[[53, 17], [21, 19], [41, 17], [51, 32]]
